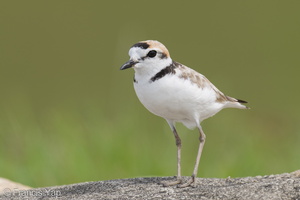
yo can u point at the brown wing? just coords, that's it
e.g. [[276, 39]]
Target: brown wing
[[201, 81]]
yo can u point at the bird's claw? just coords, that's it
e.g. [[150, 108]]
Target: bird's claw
[[171, 183], [191, 182]]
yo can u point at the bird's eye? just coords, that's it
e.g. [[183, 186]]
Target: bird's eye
[[152, 53]]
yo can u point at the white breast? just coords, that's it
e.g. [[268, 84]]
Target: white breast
[[177, 99]]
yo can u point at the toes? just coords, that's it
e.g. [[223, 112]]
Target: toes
[[191, 182], [171, 183]]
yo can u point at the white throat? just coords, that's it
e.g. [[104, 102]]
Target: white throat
[[148, 69]]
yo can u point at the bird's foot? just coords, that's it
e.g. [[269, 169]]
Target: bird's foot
[[171, 183], [191, 182]]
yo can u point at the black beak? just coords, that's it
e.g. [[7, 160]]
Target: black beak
[[129, 64]]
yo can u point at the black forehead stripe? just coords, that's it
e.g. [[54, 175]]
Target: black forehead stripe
[[170, 69], [142, 45]]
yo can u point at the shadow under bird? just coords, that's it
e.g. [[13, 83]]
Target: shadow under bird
[[176, 93]]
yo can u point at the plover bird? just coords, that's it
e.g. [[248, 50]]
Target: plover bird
[[176, 93]]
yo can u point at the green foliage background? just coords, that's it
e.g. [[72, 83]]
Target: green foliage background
[[67, 114]]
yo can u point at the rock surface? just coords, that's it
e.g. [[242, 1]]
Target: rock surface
[[282, 186]]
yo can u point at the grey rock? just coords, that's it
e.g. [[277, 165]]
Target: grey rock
[[282, 186]]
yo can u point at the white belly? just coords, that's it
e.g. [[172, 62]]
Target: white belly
[[177, 99]]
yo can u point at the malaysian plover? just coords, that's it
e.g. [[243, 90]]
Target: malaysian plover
[[176, 93]]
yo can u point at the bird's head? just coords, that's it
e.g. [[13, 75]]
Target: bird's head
[[149, 55]]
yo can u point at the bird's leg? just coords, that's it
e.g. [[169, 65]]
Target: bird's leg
[[178, 144], [192, 180]]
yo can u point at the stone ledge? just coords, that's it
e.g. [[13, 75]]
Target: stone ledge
[[282, 186]]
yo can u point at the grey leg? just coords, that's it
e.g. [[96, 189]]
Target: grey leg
[[192, 180], [178, 144]]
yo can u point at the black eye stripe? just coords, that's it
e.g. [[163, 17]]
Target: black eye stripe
[[163, 56], [152, 53]]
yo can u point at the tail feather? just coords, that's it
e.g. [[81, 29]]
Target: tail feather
[[237, 103], [241, 101]]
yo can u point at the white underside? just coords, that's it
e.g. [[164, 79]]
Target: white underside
[[179, 100]]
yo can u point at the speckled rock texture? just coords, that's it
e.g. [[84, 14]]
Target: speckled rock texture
[[275, 187]]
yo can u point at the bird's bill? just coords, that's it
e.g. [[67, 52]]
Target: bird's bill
[[128, 64]]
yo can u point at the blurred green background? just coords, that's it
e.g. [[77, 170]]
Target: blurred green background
[[68, 114]]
